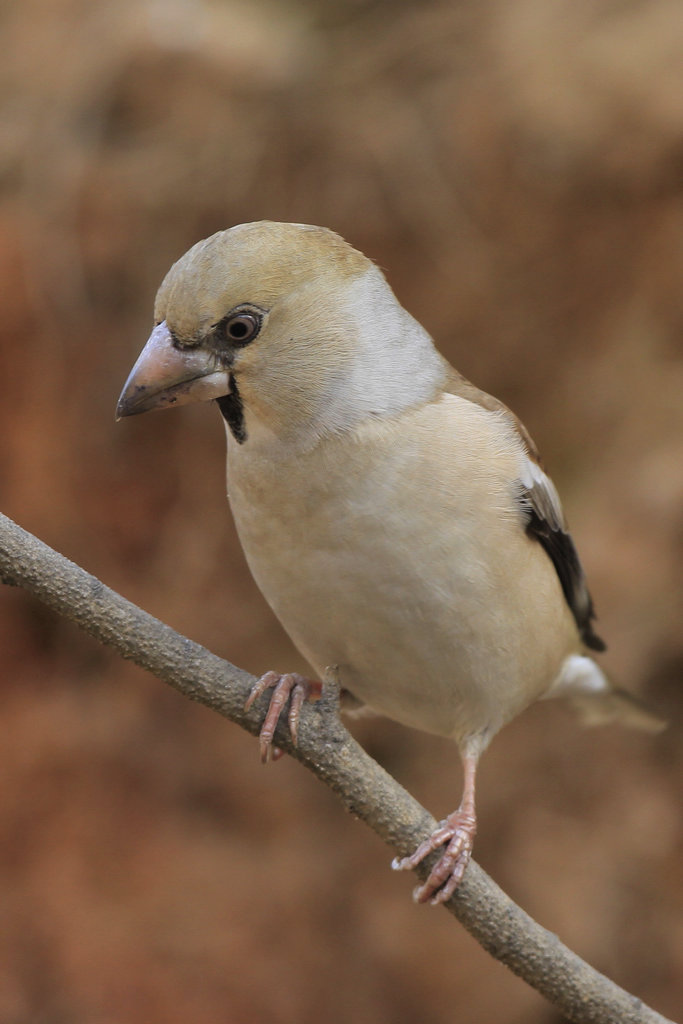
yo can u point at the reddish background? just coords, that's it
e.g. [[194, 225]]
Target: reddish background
[[518, 171]]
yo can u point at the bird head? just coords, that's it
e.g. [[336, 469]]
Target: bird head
[[289, 328]]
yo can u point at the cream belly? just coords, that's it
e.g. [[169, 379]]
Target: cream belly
[[414, 623]]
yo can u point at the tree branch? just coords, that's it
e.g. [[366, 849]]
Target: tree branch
[[330, 752]]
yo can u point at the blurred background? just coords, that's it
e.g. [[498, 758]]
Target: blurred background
[[517, 169]]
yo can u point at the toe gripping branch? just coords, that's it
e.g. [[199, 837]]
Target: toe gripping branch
[[289, 689], [456, 833]]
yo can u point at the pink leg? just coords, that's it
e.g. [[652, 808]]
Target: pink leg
[[457, 833], [289, 688]]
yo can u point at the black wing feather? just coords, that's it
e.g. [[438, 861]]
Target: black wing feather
[[559, 545]]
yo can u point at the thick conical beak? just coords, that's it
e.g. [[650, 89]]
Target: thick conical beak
[[166, 375]]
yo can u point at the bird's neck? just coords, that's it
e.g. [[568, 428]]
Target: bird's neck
[[377, 363]]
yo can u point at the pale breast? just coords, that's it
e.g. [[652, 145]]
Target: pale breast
[[397, 553]]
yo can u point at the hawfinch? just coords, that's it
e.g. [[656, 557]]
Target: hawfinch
[[396, 518]]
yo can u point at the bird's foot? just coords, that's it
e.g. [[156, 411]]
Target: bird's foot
[[457, 834], [290, 688]]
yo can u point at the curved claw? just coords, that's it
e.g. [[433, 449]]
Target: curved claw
[[457, 832], [290, 688]]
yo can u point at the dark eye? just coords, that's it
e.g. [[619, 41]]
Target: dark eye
[[242, 327]]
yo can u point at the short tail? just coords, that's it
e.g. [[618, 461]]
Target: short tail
[[586, 687]]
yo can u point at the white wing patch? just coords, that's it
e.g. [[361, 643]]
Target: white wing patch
[[544, 520], [542, 493]]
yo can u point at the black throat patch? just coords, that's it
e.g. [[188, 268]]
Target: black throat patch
[[232, 412]]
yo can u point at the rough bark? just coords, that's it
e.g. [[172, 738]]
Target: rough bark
[[330, 752]]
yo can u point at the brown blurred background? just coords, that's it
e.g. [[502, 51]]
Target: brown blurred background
[[517, 168]]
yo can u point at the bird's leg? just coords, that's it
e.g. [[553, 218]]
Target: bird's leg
[[457, 833], [291, 689]]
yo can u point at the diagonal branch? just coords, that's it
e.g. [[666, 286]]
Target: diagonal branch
[[330, 752]]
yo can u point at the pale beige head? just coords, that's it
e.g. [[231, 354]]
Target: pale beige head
[[291, 328], [261, 263]]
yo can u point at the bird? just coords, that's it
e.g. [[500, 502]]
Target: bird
[[396, 518]]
